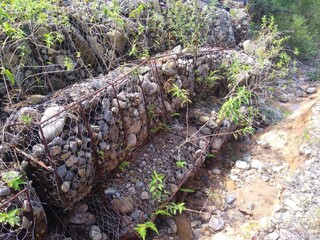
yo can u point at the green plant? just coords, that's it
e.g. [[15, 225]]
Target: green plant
[[231, 108], [210, 155], [181, 164], [157, 185], [68, 63], [101, 154], [186, 190], [180, 94], [12, 217], [8, 74], [51, 38], [123, 165], [142, 228], [174, 208], [163, 126], [13, 179], [171, 209], [26, 119]]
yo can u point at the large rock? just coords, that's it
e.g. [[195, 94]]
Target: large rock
[[54, 124]]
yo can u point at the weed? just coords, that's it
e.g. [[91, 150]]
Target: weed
[[12, 217], [181, 164], [186, 190], [68, 63], [13, 179], [8, 74], [174, 208], [157, 186], [142, 228], [101, 154], [26, 119], [180, 94], [123, 165]]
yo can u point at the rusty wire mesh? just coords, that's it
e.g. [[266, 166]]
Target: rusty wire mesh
[[22, 215], [74, 140]]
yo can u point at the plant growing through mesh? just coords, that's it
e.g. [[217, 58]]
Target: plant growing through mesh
[[180, 94], [13, 179], [26, 120], [12, 217], [142, 229]]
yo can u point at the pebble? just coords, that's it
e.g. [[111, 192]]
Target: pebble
[[95, 233], [242, 164], [273, 236], [65, 186], [231, 198], [61, 170], [216, 223], [311, 90], [4, 191], [172, 225], [292, 205], [257, 164], [216, 171], [144, 195]]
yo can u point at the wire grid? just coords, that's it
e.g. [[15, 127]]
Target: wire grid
[[76, 138], [107, 218], [30, 220]]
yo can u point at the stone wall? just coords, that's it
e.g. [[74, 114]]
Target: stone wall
[[92, 44]]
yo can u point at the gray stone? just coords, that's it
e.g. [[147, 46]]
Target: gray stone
[[177, 49], [204, 119], [168, 107], [107, 115], [292, 205], [216, 144], [216, 223], [205, 131], [73, 146], [242, 164], [173, 187], [38, 150], [311, 90], [72, 160], [172, 225], [65, 155], [95, 233], [139, 184], [202, 144], [132, 140], [257, 164], [132, 190], [135, 127], [300, 93], [249, 47], [216, 171], [231, 198], [55, 150], [273, 236], [283, 99], [144, 195], [4, 191], [61, 170], [52, 127], [65, 186]]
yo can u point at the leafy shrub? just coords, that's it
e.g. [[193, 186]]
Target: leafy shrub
[[298, 19]]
